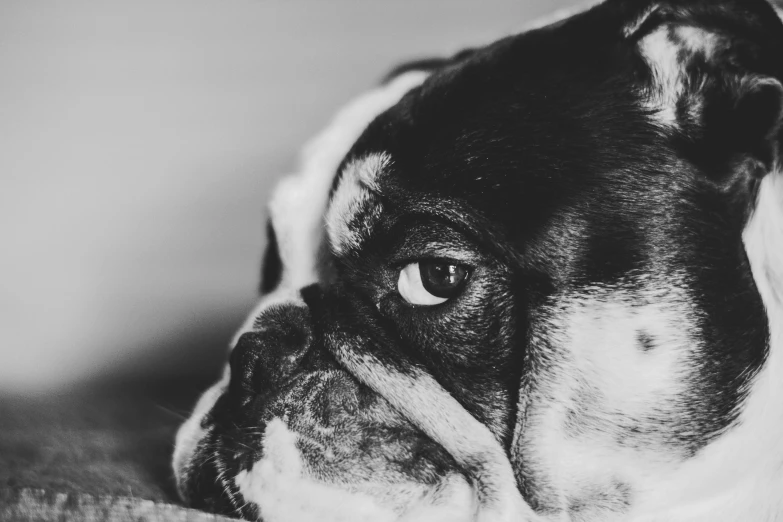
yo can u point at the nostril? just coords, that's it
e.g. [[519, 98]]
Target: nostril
[[262, 360]]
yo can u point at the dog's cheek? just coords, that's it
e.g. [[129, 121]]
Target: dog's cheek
[[608, 396]]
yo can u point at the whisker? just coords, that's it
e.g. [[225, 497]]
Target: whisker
[[180, 415]]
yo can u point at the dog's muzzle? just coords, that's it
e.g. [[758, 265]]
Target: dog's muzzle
[[293, 435]]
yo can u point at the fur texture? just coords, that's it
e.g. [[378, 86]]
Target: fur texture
[[609, 183]]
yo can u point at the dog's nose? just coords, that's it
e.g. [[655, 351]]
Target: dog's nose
[[263, 360]]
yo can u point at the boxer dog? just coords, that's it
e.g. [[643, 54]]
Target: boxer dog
[[541, 280]]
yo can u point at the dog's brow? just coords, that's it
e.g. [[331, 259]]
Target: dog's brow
[[356, 199], [455, 214]]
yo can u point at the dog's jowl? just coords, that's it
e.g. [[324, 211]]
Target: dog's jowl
[[540, 280]]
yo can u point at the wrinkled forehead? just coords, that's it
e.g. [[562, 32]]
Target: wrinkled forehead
[[371, 197], [501, 137]]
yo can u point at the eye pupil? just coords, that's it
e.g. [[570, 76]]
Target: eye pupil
[[442, 279]]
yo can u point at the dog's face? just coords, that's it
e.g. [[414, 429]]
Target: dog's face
[[538, 281]]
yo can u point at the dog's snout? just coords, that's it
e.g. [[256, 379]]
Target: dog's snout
[[265, 358]]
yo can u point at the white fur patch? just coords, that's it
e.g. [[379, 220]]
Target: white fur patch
[[661, 55], [666, 51], [353, 195], [280, 485], [601, 382]]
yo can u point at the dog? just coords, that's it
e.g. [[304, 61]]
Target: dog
[[541, 280]]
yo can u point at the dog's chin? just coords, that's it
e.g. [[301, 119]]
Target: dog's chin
[[324, 447]]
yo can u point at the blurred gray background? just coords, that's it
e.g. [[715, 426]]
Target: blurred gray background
[[138, 143]]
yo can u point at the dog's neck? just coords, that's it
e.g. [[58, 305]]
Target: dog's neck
[[739, 477]]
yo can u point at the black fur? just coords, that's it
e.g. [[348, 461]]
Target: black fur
[[539, 161]]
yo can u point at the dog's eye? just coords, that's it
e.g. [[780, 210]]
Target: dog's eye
[[429, 283]]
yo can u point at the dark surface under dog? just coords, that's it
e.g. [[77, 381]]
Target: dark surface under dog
[[97, 452]]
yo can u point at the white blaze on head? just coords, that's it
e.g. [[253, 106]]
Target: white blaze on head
[[669, 50], [661, 55], [355, 199], [666, 51]]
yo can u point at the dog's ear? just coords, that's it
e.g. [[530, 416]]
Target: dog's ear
[[712, 72]]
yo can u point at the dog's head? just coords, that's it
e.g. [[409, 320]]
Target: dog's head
[[542, 280]]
